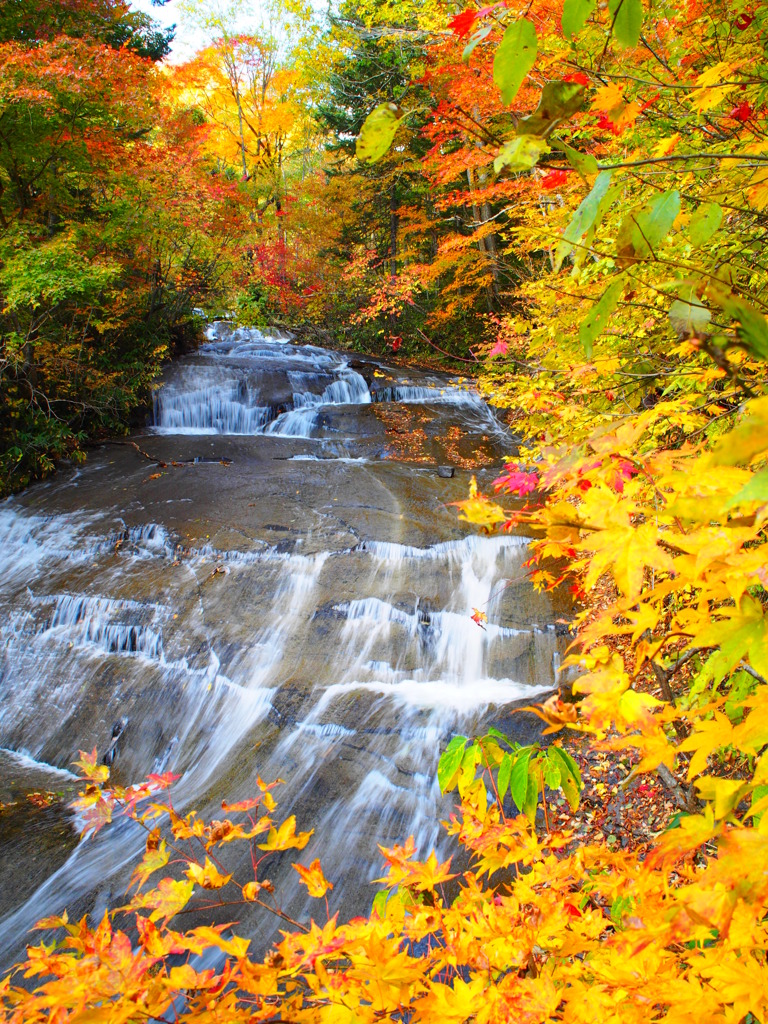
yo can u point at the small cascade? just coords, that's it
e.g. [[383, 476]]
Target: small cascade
[[150, 540], [440, 393], [116, 627], [222, 396], [228, 408]]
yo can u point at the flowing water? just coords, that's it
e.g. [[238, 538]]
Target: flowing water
[[290, 595]]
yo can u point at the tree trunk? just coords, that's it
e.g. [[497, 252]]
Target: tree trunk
[[393, 221]]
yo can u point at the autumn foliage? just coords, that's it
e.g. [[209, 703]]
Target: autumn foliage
[[586, 186]]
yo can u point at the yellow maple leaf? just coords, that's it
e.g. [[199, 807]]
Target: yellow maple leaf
[[167, 899], [724, 794], [478, 509], [626, 551], [183, 976], [90, 768], [317, 885], [757, 191], [666, 146], [286, 837], [429, 873], [606, 98], [207, 875], [707, 736], [152, 861], [751, 735]]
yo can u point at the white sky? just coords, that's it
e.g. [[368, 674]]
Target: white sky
[[189, 39]]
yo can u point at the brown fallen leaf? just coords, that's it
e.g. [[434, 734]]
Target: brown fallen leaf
[[555, 712]]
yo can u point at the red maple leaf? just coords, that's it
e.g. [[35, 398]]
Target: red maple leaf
[[742, 112], [515, 481], [577, 76], [744, 21], [608, 126], [462, 24], [554, 179]]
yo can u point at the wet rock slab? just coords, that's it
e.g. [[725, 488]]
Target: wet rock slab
[[291, 602]]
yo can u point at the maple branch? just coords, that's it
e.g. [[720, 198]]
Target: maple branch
[[461, 359], [721, 360], [752, 157], [684, 798], [751, 672], [650, 49], [662, 678]]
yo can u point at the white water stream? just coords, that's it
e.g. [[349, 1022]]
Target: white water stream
[[289, 599]]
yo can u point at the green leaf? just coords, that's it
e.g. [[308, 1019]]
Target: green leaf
[[575, 14], [644, 228], [757, 795], [704, 223], [593, 325], [628, 21], [478, 37], [753, 329], [621, 905], [558, 101], [493, 731], [514, 58], [531, 796], [687, 314], [378, 132], [571, 776], [518, 781], [582, 219], [552, 772], [743, 634], [583, 163], [505, 770], [755, 490], [450, 762], [379, 905], [521, 153]]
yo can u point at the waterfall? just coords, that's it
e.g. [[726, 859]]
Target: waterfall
[[283, 594]]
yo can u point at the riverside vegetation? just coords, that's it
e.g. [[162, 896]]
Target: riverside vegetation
[[574, 196]]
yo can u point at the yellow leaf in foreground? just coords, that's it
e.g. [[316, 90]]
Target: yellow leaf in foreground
[[167, 899], [207, 875], [628, 552], [286, 837], [317, 885], [707, 737], [723, 793]]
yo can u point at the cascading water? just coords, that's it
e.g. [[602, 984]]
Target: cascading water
[[285, 594]]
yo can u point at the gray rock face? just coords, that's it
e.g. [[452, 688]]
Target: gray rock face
[[289, 595]]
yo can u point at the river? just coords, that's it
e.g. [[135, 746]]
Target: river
[[289, 596]]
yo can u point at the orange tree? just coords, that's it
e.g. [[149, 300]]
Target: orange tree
[[110, 229], [634, 363]]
